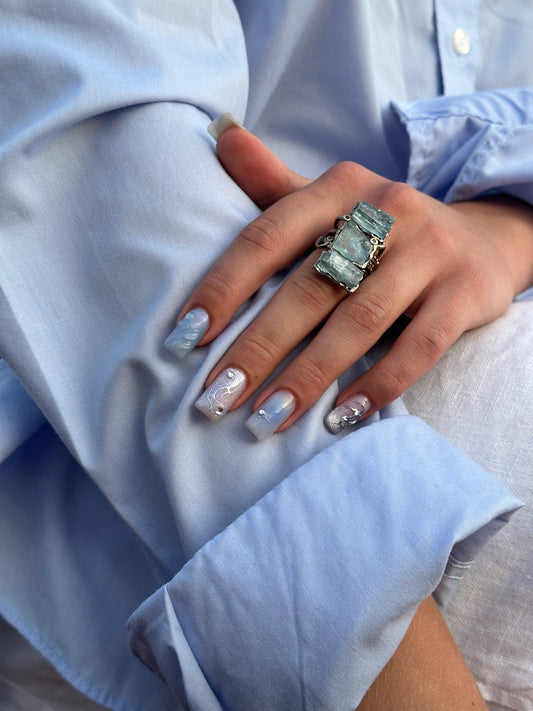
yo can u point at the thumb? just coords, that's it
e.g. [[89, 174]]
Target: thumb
[[258, 171]]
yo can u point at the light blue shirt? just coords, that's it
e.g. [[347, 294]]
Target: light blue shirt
[[276, 575]]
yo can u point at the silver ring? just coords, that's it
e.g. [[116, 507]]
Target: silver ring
[[352, 249]]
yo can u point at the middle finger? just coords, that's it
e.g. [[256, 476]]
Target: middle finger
[[302, 302], [354, 326]]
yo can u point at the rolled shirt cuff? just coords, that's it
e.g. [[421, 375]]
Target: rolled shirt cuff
[[302, 600], [466, 146]]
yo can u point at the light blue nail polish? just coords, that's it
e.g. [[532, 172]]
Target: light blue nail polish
[[222, 393], [187, 332], [272, 414]]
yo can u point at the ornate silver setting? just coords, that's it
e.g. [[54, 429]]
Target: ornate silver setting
[[352, 249]]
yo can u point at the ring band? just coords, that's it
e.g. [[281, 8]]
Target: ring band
[[351, 250]]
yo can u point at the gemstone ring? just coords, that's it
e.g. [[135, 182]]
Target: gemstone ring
[[351, 250]]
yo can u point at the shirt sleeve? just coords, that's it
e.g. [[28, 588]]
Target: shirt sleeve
[[112, 204], [303, 599], [466, 146]]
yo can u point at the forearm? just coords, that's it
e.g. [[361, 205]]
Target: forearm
[[426, 672]]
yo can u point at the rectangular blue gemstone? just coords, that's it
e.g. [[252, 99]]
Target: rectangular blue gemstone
[[371, 220], [340, 270], [353, 244]]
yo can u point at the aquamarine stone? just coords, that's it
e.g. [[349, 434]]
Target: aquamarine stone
[[338, 269], [356, 246], [353, 244], [372, 220]]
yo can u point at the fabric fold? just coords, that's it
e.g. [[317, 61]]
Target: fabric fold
[[303, 599], [470, 145]]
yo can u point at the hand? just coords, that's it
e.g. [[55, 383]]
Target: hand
[[448, 267]]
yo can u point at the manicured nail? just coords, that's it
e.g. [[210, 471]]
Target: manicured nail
[[347, 414], [272, 414], [222, 393], [187, 333], [217, 127]]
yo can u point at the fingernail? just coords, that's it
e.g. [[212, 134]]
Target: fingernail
[[222, 393], [188, 332], [217, 127], [347, 414], [272, 414]]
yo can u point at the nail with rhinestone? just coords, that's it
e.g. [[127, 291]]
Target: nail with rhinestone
[[188, 332], [347, 414], [272, 414], [222, 393]]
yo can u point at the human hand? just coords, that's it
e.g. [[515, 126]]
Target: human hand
[[449, 267]]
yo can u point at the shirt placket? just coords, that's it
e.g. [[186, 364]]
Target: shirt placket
[[456, 24]]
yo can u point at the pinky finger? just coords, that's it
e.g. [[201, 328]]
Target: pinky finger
[[437, 325]]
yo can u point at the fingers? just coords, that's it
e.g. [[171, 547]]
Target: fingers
[[298, 306], [440, 320], [417, 275], [258, 171], [355, 324], [278, 237]]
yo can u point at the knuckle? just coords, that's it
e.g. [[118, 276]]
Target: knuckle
[[311, 293], [347, 169], [396, 383], [312, 376], [369, 314], [477, 281], [258, 347], [217, 288], [402, 199], [433, 342], [263, 233], [345, 174], [442, 243]]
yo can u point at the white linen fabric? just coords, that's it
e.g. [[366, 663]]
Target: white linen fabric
[[115, 495], [491, 615]]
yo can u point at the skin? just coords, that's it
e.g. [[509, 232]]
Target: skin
[[426, 673], [450, 268]]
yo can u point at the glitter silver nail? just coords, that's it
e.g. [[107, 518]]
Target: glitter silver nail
[[347, 414]]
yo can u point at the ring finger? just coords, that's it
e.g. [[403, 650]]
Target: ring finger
[[353, 327]]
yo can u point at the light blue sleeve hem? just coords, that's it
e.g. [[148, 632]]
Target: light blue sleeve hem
[[303, 599], [464, 147]]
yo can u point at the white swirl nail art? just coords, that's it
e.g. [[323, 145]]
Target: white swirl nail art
[[272, 414], [221, 394], [188, 332], [347, 414]]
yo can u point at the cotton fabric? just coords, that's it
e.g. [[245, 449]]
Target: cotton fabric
[[117, 497]]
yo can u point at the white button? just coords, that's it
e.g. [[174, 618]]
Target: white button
[[461, 41]]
